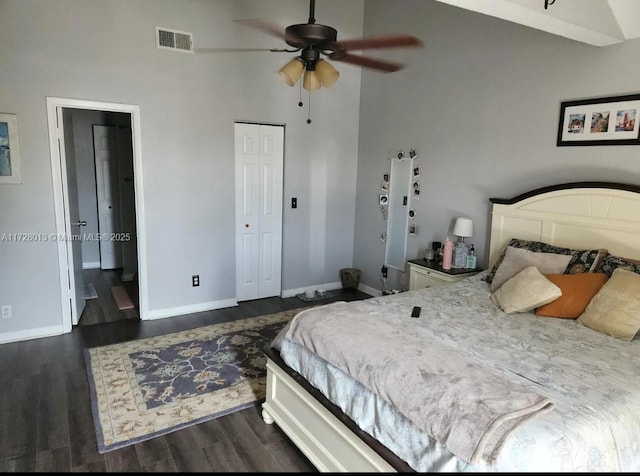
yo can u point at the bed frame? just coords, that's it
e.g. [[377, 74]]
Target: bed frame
[[581, 215]]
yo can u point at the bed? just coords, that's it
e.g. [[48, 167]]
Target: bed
[[572, 389]]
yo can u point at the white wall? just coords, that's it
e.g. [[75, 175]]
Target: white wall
[[481, 104], [105, 51]]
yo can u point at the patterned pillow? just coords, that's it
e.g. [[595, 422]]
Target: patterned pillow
[[582, 261], [609, 263]]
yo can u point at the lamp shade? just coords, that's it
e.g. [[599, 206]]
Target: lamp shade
[[291, 72], [311, 81], [327, 74], [463, 227]]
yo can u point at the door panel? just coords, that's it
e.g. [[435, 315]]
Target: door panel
[[268, 268], [272, 164], [250, 193], [249, 273], [247, 202]]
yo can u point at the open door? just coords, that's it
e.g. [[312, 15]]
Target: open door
[[73, 221]]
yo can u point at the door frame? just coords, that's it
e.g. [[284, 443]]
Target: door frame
[[58, 165]]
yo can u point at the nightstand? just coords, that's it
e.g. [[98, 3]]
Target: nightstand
[[423, 274]]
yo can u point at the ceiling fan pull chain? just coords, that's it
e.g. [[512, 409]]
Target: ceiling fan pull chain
[[300, 103], [309, 114]]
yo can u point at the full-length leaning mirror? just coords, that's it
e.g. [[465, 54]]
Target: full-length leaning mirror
[[398, 219]]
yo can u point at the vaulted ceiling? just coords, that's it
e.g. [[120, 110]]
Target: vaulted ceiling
[[595, 22]]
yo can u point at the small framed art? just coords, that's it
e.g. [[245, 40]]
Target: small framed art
[[9, 149], [603, 121]]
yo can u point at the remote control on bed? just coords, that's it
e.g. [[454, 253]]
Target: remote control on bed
[[416, 311]]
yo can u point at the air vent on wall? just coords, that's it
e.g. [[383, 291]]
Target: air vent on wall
[[168, 39]]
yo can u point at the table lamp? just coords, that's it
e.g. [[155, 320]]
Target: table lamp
[[462, 229]]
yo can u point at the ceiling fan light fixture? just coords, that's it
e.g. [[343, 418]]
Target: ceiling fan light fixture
[[290, 73], [311, 40], [311, 81], [327, 74]]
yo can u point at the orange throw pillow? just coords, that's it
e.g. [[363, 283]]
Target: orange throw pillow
[[577, 292]]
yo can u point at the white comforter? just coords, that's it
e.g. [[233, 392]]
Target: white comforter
[[593, 380]]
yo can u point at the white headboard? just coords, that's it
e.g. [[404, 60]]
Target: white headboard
[[580, 215]]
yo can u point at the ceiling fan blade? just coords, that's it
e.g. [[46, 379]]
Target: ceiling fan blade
[[264, 26], [367, 62], [388, 41], [240, 50], [276, 30]]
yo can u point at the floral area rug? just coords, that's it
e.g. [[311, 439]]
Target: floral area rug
[[150, 387]]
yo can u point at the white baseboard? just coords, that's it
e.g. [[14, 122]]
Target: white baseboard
[[369, 290], [190, 309], [91, 265], [327, 287], [28, 334]]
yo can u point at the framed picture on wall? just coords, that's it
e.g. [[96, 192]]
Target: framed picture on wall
[[9, 149], [603, 121]]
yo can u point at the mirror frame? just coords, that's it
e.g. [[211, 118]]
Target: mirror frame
[[400, 178]]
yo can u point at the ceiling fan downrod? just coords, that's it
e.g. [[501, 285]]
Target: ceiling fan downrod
[[312, 11], [310, 34]]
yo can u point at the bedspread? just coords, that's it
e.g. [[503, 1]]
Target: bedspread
[[593, 380], [464, 406]]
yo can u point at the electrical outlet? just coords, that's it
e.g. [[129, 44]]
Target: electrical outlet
[[384, 271], [6, 312], [195, 280]]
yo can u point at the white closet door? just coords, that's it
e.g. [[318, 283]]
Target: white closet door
[[106, 159], [259, 156]]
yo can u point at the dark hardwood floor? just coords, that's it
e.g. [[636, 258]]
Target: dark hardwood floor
[[46, 422], [104, 309]]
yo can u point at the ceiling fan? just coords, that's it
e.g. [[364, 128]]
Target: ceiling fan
[[313, 40]]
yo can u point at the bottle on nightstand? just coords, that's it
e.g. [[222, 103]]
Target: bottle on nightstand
[[447, 254], [472, 258]]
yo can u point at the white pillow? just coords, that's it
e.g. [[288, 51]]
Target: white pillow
[[525, 291], [517, 259], [615, 309]]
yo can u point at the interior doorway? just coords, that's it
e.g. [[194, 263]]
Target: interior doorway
[[95, 153], [98, 150]]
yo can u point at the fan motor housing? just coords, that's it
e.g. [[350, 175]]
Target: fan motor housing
[[305, 35]]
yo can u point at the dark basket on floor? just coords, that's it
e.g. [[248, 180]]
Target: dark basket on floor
[[350, 278]]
